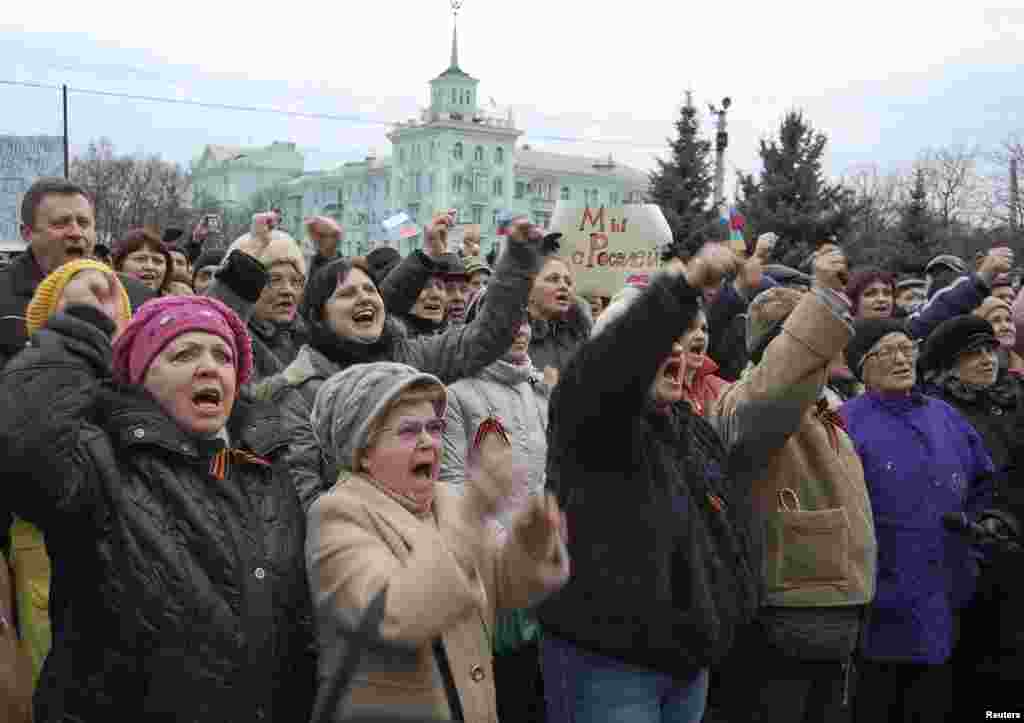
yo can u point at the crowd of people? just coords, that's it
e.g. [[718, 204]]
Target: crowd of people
[[264, 485]]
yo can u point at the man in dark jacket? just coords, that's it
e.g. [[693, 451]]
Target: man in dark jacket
[[58, 224]]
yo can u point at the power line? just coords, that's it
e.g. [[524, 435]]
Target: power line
[[351, 119]]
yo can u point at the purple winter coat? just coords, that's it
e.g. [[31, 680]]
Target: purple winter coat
[[921, 459]]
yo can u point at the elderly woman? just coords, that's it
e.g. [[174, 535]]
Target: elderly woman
[[388, 524], [922, 461], [999, 314], [276, 328], [348, 324], [176, 539], [962, 367], [142, 255], [663, 573]]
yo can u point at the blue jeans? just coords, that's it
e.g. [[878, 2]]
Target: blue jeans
[[585, 687]]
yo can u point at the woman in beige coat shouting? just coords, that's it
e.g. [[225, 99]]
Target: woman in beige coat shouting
[[388, 523]]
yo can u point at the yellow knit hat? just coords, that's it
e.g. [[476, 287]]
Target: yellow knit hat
[[44, 301]]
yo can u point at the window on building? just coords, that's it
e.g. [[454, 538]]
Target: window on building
[[387, 186], [457, 151], [498, 187], [457, 183], [478, 154], [520, 189], [494, 218], [401, 155], [430, 183], [453, 95], [414, 212], [499, 155], [613, 198], [478, 214], [433, 150], [565, 193]]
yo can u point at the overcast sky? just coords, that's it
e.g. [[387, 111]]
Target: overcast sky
[[883, 79]]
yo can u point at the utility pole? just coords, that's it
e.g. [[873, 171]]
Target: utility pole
[[64, 97], [721, 143]]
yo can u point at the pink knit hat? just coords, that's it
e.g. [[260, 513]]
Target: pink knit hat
[[162, 320]]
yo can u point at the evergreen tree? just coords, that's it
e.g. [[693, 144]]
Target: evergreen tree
[[792, 197], [682, 185], [917, 224]]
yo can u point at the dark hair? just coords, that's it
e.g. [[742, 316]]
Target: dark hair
[[862, 279], [138, 238], [323, 283], [47, 186]]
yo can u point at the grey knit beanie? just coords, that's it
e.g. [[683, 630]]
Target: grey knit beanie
[[347, 404]]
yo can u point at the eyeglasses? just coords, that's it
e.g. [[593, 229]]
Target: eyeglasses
[[409, 430], [887, 354], [279, 281]]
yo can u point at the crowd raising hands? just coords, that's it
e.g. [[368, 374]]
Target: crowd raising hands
[[263, 484]]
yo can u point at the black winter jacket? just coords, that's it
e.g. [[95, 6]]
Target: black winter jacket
[[174, 596], [275, 346], [663, 567], [992, 626]]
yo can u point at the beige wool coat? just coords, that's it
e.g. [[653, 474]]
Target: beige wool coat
[[444, 579]]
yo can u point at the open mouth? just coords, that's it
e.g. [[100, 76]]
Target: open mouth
[[432, 308], [74, 252], [207, 399], [364, 315], [423, 470], [697, 347], [285, 307], [562, 298]]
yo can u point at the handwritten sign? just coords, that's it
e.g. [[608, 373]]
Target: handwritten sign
[[604, 246], [23, 159]]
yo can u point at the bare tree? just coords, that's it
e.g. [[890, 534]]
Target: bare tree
[[878, 195], [956, 191], [131, 190]]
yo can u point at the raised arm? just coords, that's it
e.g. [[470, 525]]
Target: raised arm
[[758, 414], [962, 296], [402, 286], [464, 350], [609, 379], [241, 278], [49, 393]]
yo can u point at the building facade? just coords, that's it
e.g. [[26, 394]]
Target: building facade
[[232, 174], [456, 154]]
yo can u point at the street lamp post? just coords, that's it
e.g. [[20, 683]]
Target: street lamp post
[[721, 143]]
